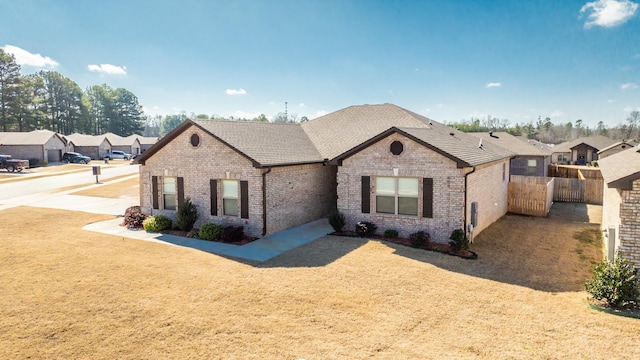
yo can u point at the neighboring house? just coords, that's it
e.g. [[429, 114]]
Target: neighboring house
[[89, 145], [378, 163], [616, 148], [621, 204], [146, 142], [129, 144], [580, 151], [44, 145], [532, 157]]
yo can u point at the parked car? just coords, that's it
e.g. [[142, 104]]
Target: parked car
[[6, 162], [74, 157], [115, 154]]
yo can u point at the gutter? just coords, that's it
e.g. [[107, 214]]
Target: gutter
[[465, 198], [264, 201]]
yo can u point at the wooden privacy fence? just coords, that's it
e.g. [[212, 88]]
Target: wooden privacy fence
[[587, 191], [530, 195]]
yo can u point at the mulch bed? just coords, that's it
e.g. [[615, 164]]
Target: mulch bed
[[430, 246], [632, 311]]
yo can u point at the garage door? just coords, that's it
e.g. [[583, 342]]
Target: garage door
[[54, 155]]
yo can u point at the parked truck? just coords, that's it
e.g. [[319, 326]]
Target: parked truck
[[6, 162]]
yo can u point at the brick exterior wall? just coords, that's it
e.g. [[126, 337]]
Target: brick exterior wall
[[295, 194], [489, 187], [40, 152], [420, 162], [629, 229]]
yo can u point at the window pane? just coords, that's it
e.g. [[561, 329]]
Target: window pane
[[386, 204], [407, 206], [230, 189], [169, 185], [407, 187], [385, 186], [230, 207], [169, 201], [532, 163]]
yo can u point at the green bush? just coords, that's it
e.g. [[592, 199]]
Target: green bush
[[34, 163], [419, 239], [365, 228], [390, 234], [157, 223], [187, 215], [337, 221], [133, 217], [210, 231], [614, 282], [459, 240]]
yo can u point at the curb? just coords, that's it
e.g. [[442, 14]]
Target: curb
[[613, 311]]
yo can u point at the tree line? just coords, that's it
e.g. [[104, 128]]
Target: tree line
[[48, 100], [546, 131]]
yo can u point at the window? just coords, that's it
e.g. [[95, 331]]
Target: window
[[532, 166], [397, 196], [195, 140], [230, 197], [169, 193], [504, 171]]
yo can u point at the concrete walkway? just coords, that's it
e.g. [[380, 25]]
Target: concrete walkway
[[260, 250]]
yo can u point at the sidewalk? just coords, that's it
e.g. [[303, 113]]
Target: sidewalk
[[262, 249]]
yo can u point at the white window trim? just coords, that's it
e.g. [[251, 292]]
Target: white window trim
[[397, 196], [237, 197], [165, 193]]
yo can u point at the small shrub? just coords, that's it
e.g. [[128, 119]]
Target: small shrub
[[337, 221], [33, 163], [459, 240], [419, 239], [210, 231], [157, 223], [390, 234], [365, 228], [232, 233], [133, 217], [43, 163], [187, 215], [614, 282]]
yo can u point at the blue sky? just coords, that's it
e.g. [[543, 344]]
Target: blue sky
[[447, 60]]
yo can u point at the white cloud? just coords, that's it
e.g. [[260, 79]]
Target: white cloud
[[301, 104], [493, 84], [556, 114], [628, 86], [236, 92], [610, 101], [631, 108], [427, 110], [321, 113], [25, 58], [108, 69], [608, 13]]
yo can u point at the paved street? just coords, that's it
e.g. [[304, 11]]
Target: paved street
[[40, 190]]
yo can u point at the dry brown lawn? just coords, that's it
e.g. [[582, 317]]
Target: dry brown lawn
[[111, 190], [68, 293]]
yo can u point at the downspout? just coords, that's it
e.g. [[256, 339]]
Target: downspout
[[465, 198], [264, 201]]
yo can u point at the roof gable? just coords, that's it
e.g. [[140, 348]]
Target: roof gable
[[620, 169], [35, 137], [513, 144], [597, 142], [264, 144], [87, 140]]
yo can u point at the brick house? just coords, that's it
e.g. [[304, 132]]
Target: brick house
[[621, 204], [44, 145], [532, 158], [379, 163], [129, 144], [616, 148], [580, 151], [89, 145]]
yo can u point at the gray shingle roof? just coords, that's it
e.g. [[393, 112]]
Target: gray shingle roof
[[621, 167], [117, 140], [625, 142], [597, 142], [342, 130], [35, 137], [513, 144], [86, 140], [265, 143]]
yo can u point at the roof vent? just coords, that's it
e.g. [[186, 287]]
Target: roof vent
[[452, 134], [480, 144], [638, 150], [493, 136]]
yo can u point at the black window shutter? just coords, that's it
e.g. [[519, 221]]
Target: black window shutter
[[154, 191], [244, 199], [427, 197], [213, 186], [180, 191], [366, 197]]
